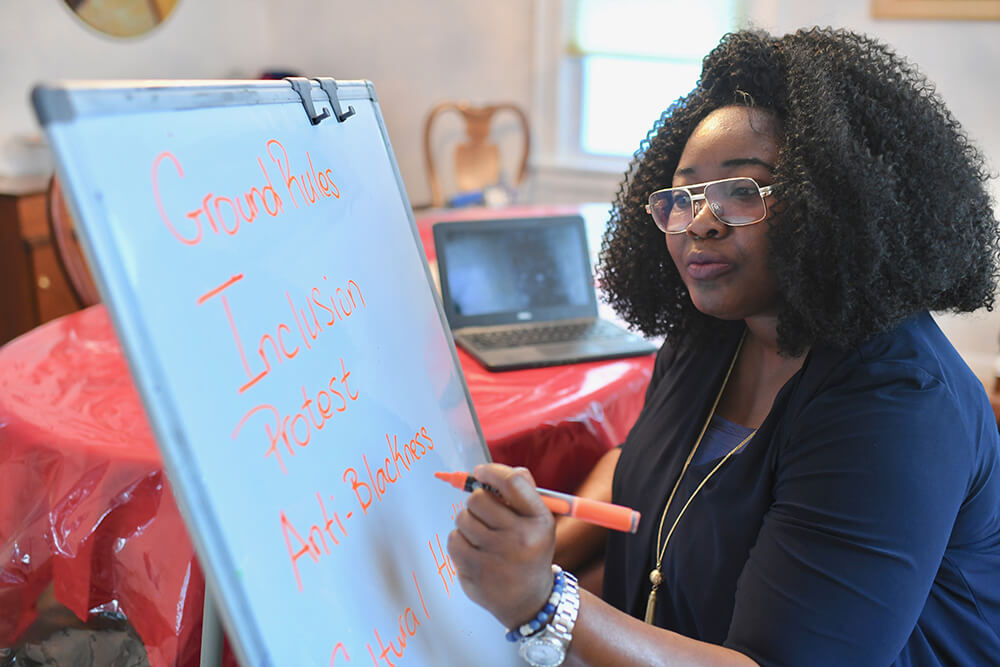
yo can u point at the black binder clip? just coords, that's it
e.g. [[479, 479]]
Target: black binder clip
[[329, 86], [303, 87]]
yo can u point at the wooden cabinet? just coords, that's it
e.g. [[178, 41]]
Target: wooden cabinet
[[34, 288]]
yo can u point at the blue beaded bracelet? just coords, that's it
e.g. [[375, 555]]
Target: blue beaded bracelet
[[542, 618]]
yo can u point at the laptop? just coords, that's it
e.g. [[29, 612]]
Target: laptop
[[519, 293]]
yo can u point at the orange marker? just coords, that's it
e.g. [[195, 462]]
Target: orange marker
[[615, 517]]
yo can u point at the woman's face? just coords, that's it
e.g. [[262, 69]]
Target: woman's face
[[725, 268]]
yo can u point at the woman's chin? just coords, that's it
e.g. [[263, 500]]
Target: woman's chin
[[716, 309]]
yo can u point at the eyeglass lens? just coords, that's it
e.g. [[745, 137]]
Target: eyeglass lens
[[734, 201]]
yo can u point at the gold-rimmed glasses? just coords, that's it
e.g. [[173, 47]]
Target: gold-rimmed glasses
[[735, 201]]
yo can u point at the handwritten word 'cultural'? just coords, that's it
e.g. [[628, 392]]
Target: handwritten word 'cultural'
[[225, 214], [409, 623]]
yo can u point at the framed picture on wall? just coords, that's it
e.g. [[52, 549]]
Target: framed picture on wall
[[122, 18], [970, 10]]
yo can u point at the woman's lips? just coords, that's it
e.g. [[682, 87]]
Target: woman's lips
[[707, 269]]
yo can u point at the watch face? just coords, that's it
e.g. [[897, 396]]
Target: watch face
[[543, 652]]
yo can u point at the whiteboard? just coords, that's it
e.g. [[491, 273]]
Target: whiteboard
[[267, 283]]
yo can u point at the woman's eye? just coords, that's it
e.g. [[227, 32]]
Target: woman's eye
[[742, 192]]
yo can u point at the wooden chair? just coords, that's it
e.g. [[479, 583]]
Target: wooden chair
[[476, 159], [68, 250]]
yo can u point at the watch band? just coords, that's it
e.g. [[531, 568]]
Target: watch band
[[543, 617], [548, 647]]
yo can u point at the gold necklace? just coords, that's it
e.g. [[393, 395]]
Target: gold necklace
[[656, 574]]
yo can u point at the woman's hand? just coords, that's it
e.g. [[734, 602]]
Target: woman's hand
[[502, 547]]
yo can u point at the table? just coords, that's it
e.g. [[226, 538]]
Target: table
[[85, 505], [556, 421]]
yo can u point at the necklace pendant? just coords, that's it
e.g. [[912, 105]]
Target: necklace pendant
[[656, 579], [650, 607]]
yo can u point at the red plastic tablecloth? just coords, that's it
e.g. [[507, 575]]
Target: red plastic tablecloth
[[85, 505]]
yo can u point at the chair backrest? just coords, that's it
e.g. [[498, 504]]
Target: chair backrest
[[476, 159], [68, 250]]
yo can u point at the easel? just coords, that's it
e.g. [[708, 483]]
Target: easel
[[211, 634]]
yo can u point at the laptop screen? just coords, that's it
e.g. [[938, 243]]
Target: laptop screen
[[502, 271]]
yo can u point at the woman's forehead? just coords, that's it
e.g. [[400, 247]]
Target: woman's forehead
[[737, 120], [731, 135]]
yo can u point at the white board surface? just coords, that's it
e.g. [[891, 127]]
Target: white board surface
[[268, 286]]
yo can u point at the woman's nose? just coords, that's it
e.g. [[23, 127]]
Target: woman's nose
[[704, 224]]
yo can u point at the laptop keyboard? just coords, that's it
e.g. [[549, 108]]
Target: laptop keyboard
[[555, 333]]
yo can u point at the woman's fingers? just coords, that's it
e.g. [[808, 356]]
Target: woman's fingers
[[515, 485], [482, 522], [512, 590], [490, 509], [490, 524], [502, 545]]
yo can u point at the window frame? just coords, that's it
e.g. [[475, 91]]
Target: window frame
[[557, 107], [558, 89]]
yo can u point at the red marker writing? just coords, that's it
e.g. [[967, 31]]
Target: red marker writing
[[615, 517]]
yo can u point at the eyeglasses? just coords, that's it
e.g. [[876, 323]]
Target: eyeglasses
[[733, 201]]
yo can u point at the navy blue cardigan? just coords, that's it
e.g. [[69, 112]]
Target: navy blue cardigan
[[860, 526]]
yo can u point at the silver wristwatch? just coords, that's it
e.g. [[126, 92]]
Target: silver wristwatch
[[548, 646]]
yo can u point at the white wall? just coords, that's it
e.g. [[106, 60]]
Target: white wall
[[43, 40], [416, 54]]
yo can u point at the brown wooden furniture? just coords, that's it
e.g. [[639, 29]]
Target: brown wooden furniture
[[68, 250], [476, 158], [34, 288]]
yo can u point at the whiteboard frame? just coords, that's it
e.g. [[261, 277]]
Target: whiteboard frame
[[67, 101]]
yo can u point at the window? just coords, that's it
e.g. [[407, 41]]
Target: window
[[608, 68], [637, 56]]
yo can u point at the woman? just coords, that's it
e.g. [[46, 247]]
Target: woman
[[818, 471]]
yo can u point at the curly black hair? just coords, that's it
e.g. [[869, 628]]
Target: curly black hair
[[885, 211]]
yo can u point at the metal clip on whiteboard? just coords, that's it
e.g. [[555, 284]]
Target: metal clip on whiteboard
[[303, 87], [329, 86]]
